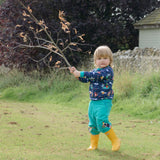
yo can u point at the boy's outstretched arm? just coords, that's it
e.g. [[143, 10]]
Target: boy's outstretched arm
[[77, 74]]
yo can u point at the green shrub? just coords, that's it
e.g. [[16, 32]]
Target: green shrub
[[151, 85]]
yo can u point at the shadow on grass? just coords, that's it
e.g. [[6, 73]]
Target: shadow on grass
[[115, 155]]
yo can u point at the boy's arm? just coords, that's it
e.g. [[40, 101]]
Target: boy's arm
[[94, 75], [78, 74], [99, 75], [82, 78]]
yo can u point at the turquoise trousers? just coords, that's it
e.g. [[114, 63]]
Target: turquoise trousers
[[98, 113]]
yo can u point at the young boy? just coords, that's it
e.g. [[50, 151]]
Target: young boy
[[101, 95]]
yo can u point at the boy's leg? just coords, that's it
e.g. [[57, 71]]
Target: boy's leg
[[102, 113], [92, 127], [104, 125]]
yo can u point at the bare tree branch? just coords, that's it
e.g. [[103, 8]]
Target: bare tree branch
[[49, 44], [38, 46]]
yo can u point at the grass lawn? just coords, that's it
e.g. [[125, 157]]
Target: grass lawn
[[48, 131]]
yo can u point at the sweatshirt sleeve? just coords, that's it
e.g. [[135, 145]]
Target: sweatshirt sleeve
[[82, 78], [99, 75]]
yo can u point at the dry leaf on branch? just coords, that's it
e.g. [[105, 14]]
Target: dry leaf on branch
[[29, 9], [25, 14], [31, 28], [41, 22], [73, 44], [50, 46], [58, 62], [61, 16], [50, 58], [81, 36], [65, 24], [75, 30], [21, 34], [18, 25]]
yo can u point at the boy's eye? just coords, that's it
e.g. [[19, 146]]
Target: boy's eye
[[103, 58]]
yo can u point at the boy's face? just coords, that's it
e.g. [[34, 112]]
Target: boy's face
[[102, 62]]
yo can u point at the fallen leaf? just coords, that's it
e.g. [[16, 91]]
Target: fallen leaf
[[84, 123], [146, 154], [151, 134], [6, 113], [130, 126], [137, 121], [117, 123], [22, 111], [30, 127], [39, 134], [13, 123]]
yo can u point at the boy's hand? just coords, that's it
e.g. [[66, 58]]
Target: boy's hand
[[72, 69], [75, 72]]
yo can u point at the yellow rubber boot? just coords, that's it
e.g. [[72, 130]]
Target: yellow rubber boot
[[94, 142], [116, 142]]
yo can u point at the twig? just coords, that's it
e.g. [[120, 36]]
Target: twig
[[38, 46]]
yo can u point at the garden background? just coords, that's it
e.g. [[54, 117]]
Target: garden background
[[43, 108]]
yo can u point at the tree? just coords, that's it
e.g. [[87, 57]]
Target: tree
[[109, 22], [39, 50], [102, 22]]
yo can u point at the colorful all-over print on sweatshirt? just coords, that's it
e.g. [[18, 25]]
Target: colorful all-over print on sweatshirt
[[101, 80]]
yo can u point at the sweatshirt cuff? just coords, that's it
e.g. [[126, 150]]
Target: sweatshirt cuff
[[81, 73]]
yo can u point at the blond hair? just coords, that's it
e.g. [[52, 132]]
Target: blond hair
[[105, 52]]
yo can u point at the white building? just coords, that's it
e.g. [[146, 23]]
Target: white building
[[149, 30]]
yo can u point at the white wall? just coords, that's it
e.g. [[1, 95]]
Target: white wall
[[149, 38]]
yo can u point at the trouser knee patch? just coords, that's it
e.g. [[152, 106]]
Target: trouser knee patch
[[104, 127]]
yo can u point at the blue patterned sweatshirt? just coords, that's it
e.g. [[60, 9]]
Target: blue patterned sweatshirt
[[101, 81]]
